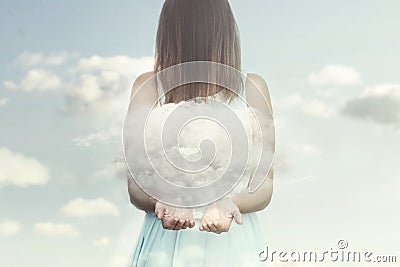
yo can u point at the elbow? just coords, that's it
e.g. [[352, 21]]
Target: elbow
[[133, 201], [142, 202], [137, 203], [266, 200]]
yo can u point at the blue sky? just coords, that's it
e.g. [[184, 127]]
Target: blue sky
[[65, 74]]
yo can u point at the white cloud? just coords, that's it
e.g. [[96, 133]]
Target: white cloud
[[116, 169], [380, 104], [19, 170], [149, 166], [103, 85], [386, 89], [291, 101], [9, 228], [121, 64], [40, 80], [27, 59], [35, 80], [312, 107], [52, 229], [3, 101], [97, 137], [9, 85], [335, 75], [105, 95], [96, 86], [317, 108], [81, 207], [102, 242]]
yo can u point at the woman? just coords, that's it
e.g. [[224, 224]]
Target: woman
[[193, 30]]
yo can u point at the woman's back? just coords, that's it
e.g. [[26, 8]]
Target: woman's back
[[172, 144]]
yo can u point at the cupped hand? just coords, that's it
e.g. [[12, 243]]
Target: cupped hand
[[173, 218], [218, 216]]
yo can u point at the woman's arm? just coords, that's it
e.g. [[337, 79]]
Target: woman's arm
[[137, 196], [260, 199]]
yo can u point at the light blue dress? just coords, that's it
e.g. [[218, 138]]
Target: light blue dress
[[239, 247], [158, 247]]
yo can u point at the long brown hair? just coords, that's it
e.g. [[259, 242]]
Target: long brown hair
[[196, 30]]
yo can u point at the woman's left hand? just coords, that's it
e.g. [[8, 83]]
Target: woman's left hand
[[218, 216]]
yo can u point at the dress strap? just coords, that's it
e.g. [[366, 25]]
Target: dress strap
[[244, 78], [160, 90]]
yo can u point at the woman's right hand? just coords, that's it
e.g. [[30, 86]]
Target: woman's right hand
[[174, 218]]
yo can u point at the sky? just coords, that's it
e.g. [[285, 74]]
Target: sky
[[66, 69]]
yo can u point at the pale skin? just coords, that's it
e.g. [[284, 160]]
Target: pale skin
[[218, 216]]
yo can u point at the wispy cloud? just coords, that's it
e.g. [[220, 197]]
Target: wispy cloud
[[102, 242], [335, 75], [35, 80], [81, 208], [93, 138], [104, 83], [3, 101], [93, 86], [120, 64], [22, 171], [380, 104], [53, 229], [27, 59], [312, 107], [116, 169], [9, 228]]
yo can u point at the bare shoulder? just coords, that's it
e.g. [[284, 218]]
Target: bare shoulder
[[140, 80], [259, 82], [261, 85]]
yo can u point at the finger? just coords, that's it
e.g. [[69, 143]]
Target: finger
[[192, 223], [179, 224], [209, 226], [186, 224], [159, 212], [169, 224], [174, 222], [164, 224], [201, 228], [213, 228], [238, 217], [205, 227], [218, 226]]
